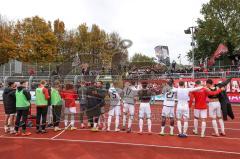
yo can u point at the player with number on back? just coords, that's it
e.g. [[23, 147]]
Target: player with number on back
[[129, 94], [168, 107], [115, 105]]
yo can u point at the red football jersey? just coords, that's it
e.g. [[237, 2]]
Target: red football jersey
[[69, 96], [201, 97]]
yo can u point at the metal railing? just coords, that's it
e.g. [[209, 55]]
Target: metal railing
[[76, 79], [198, 75]]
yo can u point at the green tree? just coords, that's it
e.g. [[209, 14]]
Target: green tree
[[69, 46], [90, 44], [97, 41], [59, 32], [141, 60], [115, 53], [35, 40], [7, 45], [220, 24], [83, 43]]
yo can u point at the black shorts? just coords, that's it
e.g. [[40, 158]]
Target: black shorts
[[9, 111]]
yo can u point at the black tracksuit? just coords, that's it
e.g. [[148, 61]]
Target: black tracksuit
[[93, 108], [9, 100], [224, 101]]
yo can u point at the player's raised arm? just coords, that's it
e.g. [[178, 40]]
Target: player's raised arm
[[212, 93], [174, 89], [194, 89], [225, 83]]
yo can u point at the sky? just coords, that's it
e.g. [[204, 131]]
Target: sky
[[147, 23]]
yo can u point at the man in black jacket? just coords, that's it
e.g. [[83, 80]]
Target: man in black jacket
[[95, 96], [224, 101], [9, 103], [92, 108], [101, 93]]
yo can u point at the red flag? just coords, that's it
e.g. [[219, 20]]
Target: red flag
[[222, 49], [211, 61]]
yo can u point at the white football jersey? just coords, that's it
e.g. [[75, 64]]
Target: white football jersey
[[129, 93], [183, 95], [169, 96], [115, 96]]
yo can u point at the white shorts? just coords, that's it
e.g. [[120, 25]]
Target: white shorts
[[114, 110], [70, 110], [200, 113], [14, 114], [168, 112], [215, 109], [128, 108], [102, 110], [49, 113], [182, 110], [145, 109]]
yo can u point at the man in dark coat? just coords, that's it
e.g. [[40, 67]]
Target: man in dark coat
[[101, 93], [93, 109], [224, 101], [9, 102]]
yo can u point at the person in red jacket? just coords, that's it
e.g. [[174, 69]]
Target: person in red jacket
[[200, 106], [69, 96]]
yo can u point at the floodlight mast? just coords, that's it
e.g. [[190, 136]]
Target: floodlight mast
[[191, 30]]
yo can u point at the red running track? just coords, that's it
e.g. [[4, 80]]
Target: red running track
[[103, 145]]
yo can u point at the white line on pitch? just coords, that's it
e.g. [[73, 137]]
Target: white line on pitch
[[60, 132], [129, 144], [135, 132], [155, 133], [146, 145]]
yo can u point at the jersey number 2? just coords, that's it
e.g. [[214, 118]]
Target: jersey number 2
[[169, 94]]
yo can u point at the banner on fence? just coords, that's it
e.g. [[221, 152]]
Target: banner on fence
[[234, 97], [233, 88]]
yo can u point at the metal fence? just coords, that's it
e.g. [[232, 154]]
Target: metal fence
[[45, 69], [37, 69], [76, 79], [198, 75]]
